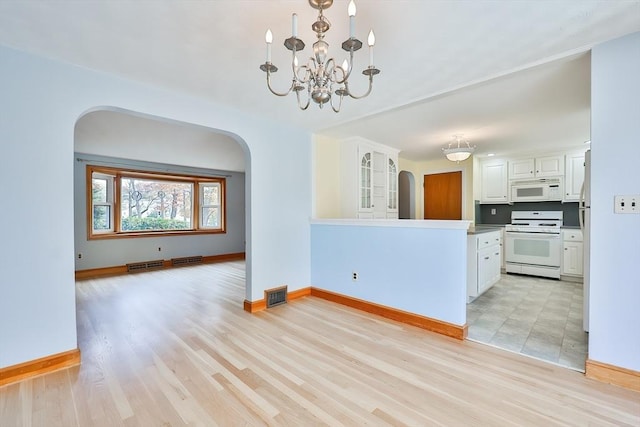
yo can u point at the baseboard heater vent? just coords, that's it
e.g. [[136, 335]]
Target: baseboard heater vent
[[188, 260], [276, 296], [145, 266]]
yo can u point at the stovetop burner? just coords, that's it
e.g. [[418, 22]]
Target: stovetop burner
[[548, 222]]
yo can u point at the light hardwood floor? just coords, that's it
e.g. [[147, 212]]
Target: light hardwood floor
[[174, 347]]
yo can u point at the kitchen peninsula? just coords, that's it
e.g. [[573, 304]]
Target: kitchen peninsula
[[414, 268]]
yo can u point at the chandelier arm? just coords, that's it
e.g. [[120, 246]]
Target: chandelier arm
[[346, 86], [300, 105], [336, 110], [330, 67], [276, 93], [347, 72], [307, 74], [297, 69]]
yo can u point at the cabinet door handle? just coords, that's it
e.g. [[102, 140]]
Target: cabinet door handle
[[486, 257], [566, 249], [497, 253]]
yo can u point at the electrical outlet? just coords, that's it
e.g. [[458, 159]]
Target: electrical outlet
[[627, 204], [159, 249], [493, 211], [79, 256], [354, 276]]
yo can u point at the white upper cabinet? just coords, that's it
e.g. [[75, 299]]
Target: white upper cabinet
[[369, 174], [549, 166], [539, 167], [497, 175], [522, 169], [574, 169], [495, 185]]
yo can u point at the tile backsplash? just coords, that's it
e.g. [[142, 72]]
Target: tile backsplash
[[503, 212]]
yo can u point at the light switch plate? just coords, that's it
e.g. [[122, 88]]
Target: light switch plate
[[627, 204]]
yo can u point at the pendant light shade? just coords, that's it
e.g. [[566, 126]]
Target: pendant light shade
[[457, 152]]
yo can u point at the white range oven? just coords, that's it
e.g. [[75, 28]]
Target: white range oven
[[533, 243]]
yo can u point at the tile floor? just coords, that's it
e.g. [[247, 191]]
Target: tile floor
[[534, 316]]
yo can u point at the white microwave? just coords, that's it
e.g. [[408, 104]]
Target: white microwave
[[536, 190]]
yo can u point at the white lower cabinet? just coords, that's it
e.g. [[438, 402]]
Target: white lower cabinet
[[503, 266], [572, 253], [484, 258]]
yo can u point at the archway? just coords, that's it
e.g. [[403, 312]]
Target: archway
[[122, 138], [406, 195]]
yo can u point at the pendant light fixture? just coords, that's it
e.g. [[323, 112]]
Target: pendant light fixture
[[457, 152]]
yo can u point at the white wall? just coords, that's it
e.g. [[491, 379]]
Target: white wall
[[615, 169], [41, 102]]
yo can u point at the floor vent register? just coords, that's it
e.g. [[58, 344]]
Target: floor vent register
[[276, 296], [145, 266]]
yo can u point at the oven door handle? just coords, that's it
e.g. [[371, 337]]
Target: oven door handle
[[520, 234]]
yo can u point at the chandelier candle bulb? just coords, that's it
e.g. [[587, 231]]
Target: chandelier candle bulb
[[371, 40], [294, 25], [352, 19], [268, 37]]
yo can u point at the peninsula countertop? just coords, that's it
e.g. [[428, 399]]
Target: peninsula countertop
[[479, 229]]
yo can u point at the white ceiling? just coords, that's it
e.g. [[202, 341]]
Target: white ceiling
[[510, 75]]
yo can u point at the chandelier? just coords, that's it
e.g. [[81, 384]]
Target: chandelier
[[456, 152], [323, 80]]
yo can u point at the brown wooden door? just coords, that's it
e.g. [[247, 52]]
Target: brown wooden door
[[443, 196]]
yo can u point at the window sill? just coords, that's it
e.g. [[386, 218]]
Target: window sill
[[136, 234]]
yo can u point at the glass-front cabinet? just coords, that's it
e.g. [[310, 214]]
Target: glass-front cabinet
[[376, 189], [392, 186], [365, 181]]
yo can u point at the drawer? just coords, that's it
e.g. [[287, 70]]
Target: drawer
[[488, 239], [572, 235]]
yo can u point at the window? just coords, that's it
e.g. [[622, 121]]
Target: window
[[210, 205], [148, 204], [126, 203], [102, 199]]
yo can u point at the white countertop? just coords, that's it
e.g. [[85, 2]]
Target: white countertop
[[398, 223]]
